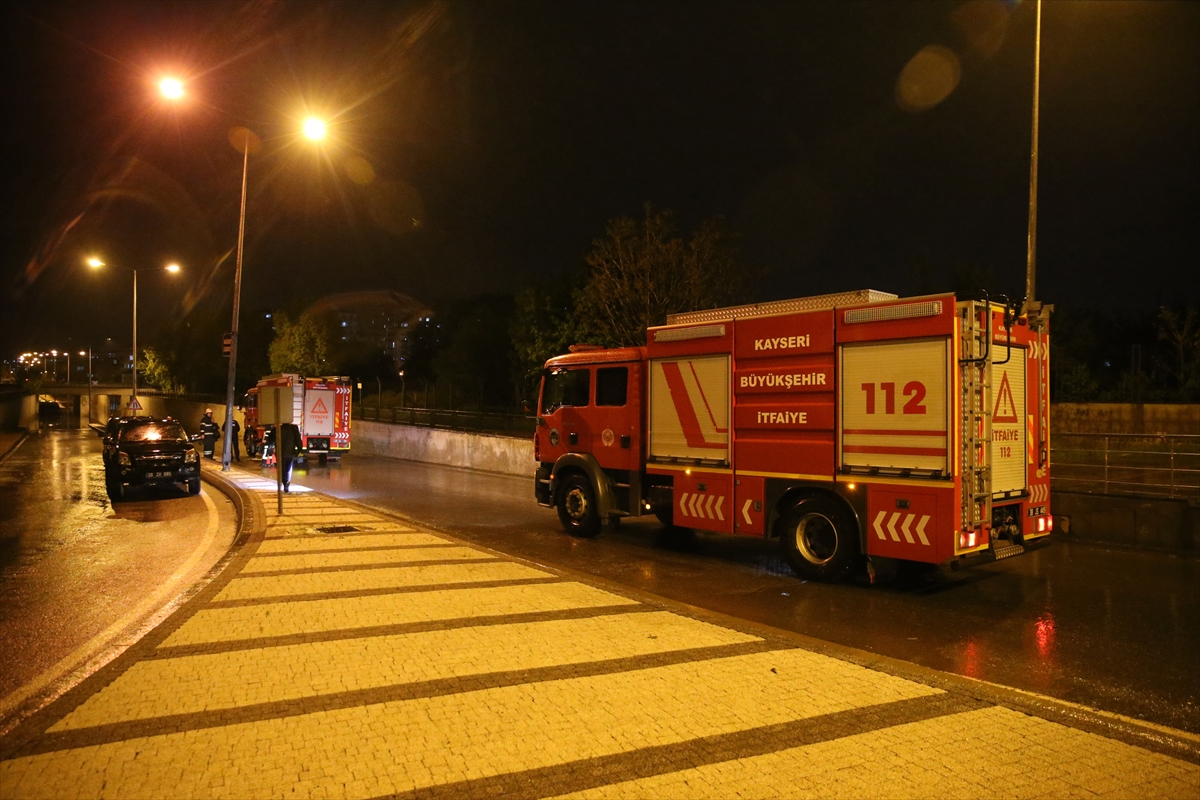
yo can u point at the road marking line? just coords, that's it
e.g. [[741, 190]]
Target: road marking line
[[155, 601]]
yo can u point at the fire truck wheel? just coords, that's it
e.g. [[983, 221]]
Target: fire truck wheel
[[666, 516], [818, 540], [577, 507]]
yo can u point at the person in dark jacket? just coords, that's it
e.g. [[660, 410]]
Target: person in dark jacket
[[289, 446], [234, 440], [210, 432], [251, 440]]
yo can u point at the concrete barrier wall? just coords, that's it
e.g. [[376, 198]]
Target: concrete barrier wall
[[1169, 525], [1171, 418], [481, 451], [19, 412]]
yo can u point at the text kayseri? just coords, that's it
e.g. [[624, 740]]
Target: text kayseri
[[783, 417], [786, 381], [783, 342]]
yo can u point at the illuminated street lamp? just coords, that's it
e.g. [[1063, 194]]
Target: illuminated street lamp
[[171, 88], [96, 263], [314, 129]]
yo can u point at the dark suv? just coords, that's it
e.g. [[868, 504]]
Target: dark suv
[[142, 450]]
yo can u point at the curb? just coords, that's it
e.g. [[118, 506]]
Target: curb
[[12, 449]]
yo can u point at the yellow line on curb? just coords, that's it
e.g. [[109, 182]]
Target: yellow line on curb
[[100, 640]]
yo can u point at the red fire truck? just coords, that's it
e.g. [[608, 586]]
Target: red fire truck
[[845, 425], [320, 407]]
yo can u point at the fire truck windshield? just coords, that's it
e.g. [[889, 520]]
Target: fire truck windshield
[[565, 388]]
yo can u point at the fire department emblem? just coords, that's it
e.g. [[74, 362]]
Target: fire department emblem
[[608, 437], [554, 437]]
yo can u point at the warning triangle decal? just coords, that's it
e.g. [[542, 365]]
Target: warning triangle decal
[[1006, 409], [320, 408]]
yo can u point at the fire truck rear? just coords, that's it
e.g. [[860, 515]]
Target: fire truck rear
[[850, 425], [321, 409]]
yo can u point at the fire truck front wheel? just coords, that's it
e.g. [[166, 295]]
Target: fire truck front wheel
[[577, 510], [818, 539]]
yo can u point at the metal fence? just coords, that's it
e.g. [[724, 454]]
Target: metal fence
[[508, 423], [1137, 465]]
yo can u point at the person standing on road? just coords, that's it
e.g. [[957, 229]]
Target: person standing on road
[[288, 446], [251, 442], [233, 438], [210, 432]]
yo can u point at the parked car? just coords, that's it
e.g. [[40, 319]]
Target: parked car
[[142, 450]]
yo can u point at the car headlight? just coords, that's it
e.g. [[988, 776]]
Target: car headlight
[[191, 457], [124, 459]]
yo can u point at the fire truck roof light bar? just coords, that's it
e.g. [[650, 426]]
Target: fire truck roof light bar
[[814, 303], [683, 334], [930, 308]]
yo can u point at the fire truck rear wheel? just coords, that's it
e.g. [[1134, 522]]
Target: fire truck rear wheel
[[818, 540], [577, 510]]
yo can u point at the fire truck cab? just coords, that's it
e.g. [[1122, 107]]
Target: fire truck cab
[[847, 425]]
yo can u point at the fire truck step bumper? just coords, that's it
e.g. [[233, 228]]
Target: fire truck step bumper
[[1009, 551]]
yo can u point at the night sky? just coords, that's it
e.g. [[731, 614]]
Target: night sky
[[479, 147]]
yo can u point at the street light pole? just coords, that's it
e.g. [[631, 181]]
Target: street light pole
[[89, 381], [227, 449], [1031, 303], [134, 340], [96, 263]]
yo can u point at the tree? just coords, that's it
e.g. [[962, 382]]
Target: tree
[[301, 346], [544, 325], [640, 271], [154, 368], [1181, 332]]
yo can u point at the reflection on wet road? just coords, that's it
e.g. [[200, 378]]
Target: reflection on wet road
[[73, 566], [1113, 629]]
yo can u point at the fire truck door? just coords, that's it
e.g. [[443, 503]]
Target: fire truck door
[[565, 400], [614, 420]]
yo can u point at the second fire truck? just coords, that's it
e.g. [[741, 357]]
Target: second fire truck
[[846, 425], [320, 408]]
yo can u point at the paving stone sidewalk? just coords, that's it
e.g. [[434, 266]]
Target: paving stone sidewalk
[[347, 653]]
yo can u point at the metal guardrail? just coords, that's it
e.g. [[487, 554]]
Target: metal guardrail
[[1136, 465], [507, 423]]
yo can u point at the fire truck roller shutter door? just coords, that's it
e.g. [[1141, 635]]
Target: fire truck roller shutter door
[[1009, 428], [689, 408], [895, 405]]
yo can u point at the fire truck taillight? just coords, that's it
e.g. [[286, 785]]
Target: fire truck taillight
[[1041, 524], [966, 539], [1049, 523]]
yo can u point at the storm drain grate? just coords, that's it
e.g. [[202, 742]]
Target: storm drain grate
[[338, 529]]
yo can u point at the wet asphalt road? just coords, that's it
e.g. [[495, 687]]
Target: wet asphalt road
[[75, 571], [1113, 629]]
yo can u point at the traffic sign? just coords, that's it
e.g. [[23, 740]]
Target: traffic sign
[[134, 405]]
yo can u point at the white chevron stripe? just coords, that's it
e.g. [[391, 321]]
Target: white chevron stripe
[[908, 520], [891, 526], [745, 511], [921, 530], [720, 502], [683, 503], [878, 528], [708, 506]]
